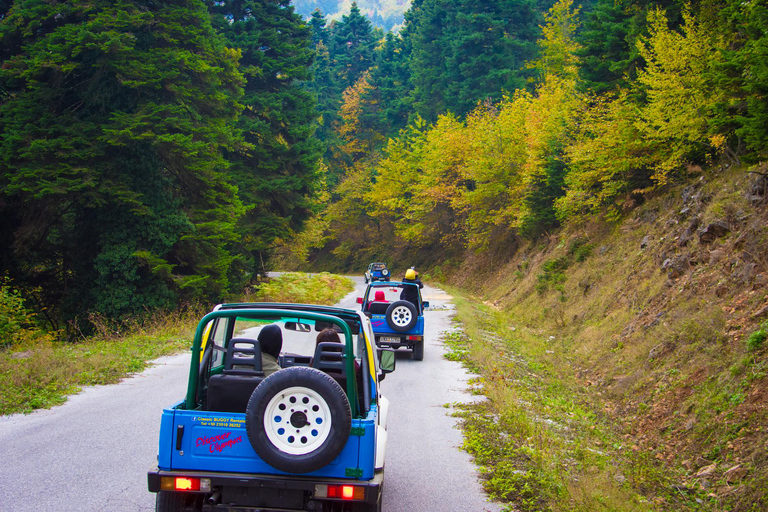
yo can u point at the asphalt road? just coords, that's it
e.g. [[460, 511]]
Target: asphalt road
[[92, 453]]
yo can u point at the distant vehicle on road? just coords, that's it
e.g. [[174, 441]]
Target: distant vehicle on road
[[396, 322], [309, 437], [376, 272]]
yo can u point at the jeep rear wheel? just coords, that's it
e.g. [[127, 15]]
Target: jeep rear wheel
[[418, 351], [298, 419], [401, 316]]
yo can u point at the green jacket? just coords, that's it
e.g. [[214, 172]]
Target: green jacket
[[269, 364]]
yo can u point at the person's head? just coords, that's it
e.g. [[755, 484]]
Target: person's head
[[271, 340], [410, 273], [328, 335], [379, 295]]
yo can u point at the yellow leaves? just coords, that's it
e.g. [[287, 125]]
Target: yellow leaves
[[558, 47], [680, 93], [606, 154], [357, 103]]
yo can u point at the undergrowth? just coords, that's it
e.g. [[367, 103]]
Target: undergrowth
[[640, 346], [37, 371], [541, 443]]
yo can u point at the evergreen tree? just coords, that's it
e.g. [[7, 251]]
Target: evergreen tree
[[391, 81], [317, 24], [325, 85], [276, 175], [113, 115], [609, 53], [353, 46], [468, 51]]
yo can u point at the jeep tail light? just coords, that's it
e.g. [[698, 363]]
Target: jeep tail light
[[340, 492], [415, 338], [184, 483]]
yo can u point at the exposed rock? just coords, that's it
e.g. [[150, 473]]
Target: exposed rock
[[758, 190], [713, 231], [676, 266], [735, 474], [706, 471], [21, 355], [715, 256], [645, 241], [760, 312], [744, 272]]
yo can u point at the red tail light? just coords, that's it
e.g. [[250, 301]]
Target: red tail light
[[340, 492]]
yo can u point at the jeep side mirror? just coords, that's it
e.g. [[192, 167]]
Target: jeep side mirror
[[359, 300], [387, 360], [425, 304]]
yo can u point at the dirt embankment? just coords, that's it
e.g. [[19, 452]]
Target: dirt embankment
[[660, 312]]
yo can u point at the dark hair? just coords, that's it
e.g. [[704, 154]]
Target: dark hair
[[329, 335], [271, 340]]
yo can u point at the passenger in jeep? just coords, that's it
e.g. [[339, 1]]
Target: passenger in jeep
[[410, 292], [271, 341], [328, 335]]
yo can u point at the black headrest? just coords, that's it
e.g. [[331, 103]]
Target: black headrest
[[243, 355], [329, 356]]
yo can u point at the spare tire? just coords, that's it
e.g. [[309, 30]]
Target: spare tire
[[298, 419], [401, 316]]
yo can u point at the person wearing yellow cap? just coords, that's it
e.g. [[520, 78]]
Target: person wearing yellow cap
[[410, 292]]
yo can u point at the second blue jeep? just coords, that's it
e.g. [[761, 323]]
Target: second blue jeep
[[396, 322]]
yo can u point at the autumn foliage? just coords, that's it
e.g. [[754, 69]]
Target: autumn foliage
[[557, 152]]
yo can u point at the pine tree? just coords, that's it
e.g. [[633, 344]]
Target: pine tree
[[467, 51], [277, 174], [113, 117], [353, 46], [391, 81]]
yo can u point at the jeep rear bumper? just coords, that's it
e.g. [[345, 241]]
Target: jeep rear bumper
[[398, 340], [231, 490]]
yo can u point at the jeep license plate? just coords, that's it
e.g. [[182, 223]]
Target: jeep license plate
[[389, 339]]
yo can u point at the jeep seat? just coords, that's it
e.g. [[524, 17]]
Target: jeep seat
[[329, 358], [230, 390]]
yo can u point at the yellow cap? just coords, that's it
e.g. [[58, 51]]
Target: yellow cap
[[410, 274]]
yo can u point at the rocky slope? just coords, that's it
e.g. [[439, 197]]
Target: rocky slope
[[661, 316]]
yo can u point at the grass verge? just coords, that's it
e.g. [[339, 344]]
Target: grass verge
[[542, 440], [42, 373]]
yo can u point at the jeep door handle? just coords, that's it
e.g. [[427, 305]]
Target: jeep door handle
[[179, 436]]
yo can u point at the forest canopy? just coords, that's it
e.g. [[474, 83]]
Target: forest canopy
[[157, 153]]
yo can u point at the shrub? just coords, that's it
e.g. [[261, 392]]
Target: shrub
[[17, 323], [757, 338]]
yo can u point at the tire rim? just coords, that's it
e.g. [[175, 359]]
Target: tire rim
[[297, 420], [401, 316]]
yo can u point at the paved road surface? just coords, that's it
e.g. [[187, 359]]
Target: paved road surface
[[92, 453]]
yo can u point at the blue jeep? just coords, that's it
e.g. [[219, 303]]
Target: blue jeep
[[396, 322], [376, 271], [310, 436]]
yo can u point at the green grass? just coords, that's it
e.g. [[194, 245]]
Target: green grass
[[322, 288], [41, 372], [540, 441]]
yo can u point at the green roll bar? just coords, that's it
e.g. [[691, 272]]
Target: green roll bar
[[349, 355]]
